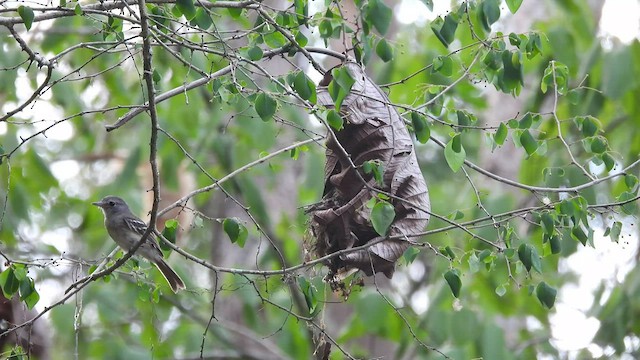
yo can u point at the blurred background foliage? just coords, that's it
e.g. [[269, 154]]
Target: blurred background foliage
[[480, 80]]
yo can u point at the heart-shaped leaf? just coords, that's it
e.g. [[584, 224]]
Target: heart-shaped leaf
[[382, 216], [265, 106], [453, 279]]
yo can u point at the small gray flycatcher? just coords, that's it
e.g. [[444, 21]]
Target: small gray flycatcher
[[126, 230]]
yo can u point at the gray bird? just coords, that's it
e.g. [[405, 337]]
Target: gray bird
[[126, 230]]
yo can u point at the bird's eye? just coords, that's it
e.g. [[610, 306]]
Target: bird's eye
[[112, 203]]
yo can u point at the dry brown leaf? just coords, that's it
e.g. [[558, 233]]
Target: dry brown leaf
[[373, 130]]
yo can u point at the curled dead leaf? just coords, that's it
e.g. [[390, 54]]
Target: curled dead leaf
[[373, 130]]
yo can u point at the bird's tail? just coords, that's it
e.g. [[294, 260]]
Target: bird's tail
[[172, 278]]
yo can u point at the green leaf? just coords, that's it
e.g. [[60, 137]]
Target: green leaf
[[513, 73], [578, 234], [26, 14], [474, 263], [335, 120], [275, 40], [546, 294], [28, 293], [488, 13], [17, 353], [379, 14], [340, 86], [325, 28], [513, 123], [376, 168], [410, 254], [513, 5], [548, 224], [443, 65], [599, 145], [454, 153], [445, 29], [301, 39], [464, 118], [609, 161], [528, 142], [368, 166], [382, 216], [576, 208], [589, 126], [20, 272], [384, 50], [294, 153], [231, 228], [420, 127], [631, 181], [453, 279], [456, 215], [187, 8], [429, 4], [255, 53], [514, 40], [302, 11], [501, 290], [265, 106], [492, 60], [310, 296], [450, 252], [616, 229], [547, 79], [32, 299], [78, 10], [509, 253], [343, 77], [202, 19], [529, 257], [156, 77], [526, 121], [235, 12], [631, 207], [236, 232], [9, 282], [169, 232], [501, 134], [554, 242], [555, 75], [534, 47], [304, 87], [485, 256]]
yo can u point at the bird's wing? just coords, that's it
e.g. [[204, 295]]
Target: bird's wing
[[136, 225], [140, 227]]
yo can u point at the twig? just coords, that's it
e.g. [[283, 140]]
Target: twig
[[557, 120], [404, 319], [454, 83], [41, 62], [201, 82], [103, 7], [573, 189], [183, 200], [293, 41]]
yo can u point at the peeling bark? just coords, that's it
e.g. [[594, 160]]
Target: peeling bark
[[373, 130]]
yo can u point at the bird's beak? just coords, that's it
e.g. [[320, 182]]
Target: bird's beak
[[97, 203]]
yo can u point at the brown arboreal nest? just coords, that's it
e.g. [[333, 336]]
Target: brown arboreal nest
[[373, 131]]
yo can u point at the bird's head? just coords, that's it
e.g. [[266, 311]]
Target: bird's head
[[111, 204]]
